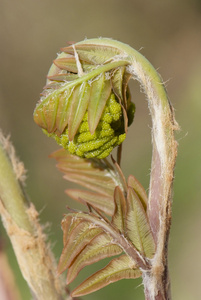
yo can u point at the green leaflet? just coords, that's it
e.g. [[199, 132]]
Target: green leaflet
[[138, 228], [120, 176], [96, 54], [45, 116], [126, 93], [78, 109], [69, 64], [119, 268], [118, 218], [62, 77], [139, 189], [64, 104], [53, 113], [117, 81], [65, 225], [99, 248], [78, 238], [100, 92], [68, 224]]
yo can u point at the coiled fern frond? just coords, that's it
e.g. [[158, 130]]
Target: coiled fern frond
[[86, 105]]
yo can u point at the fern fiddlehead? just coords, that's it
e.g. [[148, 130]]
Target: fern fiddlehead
[[86, 107], [86, 113]]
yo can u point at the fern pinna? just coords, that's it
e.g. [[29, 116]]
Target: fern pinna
[[86, 107]]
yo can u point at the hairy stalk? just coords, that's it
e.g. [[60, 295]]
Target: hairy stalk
[[156, 282], [20, 220]]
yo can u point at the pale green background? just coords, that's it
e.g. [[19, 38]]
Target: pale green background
[[169, 35]]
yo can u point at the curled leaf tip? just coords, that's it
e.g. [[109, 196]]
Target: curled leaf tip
[[86, 113]]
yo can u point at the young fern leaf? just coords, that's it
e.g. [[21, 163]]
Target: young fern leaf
[[117, 81], [100, 92], [119, 174], [69, 64], [77, 110], [100, 247], [79, 237], [68, 224], [118, 219], [120, 79], [139, 190], [119, 268], [138, 228]]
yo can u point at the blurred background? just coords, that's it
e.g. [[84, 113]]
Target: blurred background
[[168, 33]]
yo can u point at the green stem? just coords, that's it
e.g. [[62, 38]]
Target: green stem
[[12, 195], [20, 220]]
